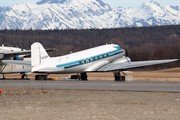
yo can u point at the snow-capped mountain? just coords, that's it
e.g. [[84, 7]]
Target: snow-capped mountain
[[153, 13], [71, 14]]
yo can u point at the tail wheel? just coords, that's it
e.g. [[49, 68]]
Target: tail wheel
[[24, 76]]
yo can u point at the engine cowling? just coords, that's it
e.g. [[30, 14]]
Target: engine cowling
[[122, 60], [19, 57]]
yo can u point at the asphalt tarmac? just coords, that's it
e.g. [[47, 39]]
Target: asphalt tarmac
[[102, 85]]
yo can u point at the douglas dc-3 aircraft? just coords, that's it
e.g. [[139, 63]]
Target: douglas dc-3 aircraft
[[13, 53], [105, 58]]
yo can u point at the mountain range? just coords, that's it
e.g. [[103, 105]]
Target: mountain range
[[85, 14]]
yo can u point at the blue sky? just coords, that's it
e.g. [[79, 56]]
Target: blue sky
[[113, 3]]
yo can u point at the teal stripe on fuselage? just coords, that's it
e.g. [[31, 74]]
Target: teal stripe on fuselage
[[77, 63]]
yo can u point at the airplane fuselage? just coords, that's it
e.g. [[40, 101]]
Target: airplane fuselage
[[83, 61], [3, 50]]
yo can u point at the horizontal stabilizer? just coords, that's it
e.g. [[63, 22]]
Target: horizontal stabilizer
[[25, 52]]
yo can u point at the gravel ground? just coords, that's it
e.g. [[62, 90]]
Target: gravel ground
[[27, 104]]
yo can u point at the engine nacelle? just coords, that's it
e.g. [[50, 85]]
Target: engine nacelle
[[122, 60], [19, 57]]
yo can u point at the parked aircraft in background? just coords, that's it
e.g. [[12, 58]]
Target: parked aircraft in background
[[13, 53], [105, 58]]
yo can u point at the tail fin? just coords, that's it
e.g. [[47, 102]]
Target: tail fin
[[38, 55]]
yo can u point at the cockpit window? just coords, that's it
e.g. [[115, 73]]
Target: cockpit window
[[117, 47]]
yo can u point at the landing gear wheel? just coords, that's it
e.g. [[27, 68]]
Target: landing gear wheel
[[117, 75], [84, 76], [25, 77], [1, 76], [41, 77], [45, 77]]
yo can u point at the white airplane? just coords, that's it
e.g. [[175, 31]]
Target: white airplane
[[13, 53], [105, 58]]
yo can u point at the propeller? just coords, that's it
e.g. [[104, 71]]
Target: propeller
[[127, 56], [127, 53]]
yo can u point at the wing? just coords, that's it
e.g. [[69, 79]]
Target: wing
[[122, 66], [18, 62], [18, 52]]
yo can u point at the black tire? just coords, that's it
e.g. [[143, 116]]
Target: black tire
[[37, 77], [45, 77], [1, 76], [41, 77], [25, 77], [84, 76], [117, 78]]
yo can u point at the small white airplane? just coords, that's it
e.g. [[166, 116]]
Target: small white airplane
[[105, 58], [13, 53]]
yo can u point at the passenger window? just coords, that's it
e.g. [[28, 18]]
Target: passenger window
[[80, 62], [84, 61], [89, 60], [94, 58]]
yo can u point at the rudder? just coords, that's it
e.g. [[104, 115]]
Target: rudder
[[38, 55]]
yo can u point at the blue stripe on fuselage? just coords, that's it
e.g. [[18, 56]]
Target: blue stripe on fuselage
[[77, 63]]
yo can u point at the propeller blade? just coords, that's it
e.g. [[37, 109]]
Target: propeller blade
[[126, 53]]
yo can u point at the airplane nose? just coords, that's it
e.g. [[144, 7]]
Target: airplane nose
[[123, 51]]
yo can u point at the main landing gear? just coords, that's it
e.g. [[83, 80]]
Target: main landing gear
[[117, 76], [41, 77], [83, 76], [2, 76], [24, 76]]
